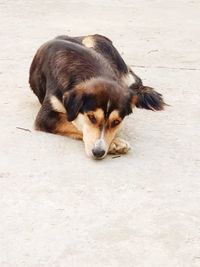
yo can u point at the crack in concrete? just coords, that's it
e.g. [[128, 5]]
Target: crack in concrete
[[164, 67]]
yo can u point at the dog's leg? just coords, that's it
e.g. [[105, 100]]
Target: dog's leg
[[64, 127], [119, 146], [49, 120]]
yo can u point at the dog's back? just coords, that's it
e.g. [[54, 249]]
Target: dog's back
[[68, 62], [104, 47]]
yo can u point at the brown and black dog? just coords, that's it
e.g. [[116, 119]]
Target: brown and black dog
[[85, 90]]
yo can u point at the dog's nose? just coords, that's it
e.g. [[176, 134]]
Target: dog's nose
[[98, 152]]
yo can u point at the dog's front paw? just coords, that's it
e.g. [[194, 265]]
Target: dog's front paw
[[119, 146]]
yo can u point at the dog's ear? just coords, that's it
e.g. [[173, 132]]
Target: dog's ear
[[147, 98], [73, 101]]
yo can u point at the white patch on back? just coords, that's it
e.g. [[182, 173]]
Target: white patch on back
[[79, 122], [129, 79], [56, 104], [88, 42]]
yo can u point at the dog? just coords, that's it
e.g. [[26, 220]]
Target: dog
[[86, 89]]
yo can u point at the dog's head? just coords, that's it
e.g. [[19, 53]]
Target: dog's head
[[97, 108]]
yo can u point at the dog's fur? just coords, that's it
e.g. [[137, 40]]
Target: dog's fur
[[86, 89]]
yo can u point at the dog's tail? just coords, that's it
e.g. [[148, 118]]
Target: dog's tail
[[147, 98], [144, 96]]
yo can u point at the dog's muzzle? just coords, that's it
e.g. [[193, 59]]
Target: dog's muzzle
[[99, 150]]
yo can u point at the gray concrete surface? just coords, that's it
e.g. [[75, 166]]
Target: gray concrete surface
[[59, 208]]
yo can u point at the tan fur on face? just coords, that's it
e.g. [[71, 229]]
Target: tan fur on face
[[89, 42], [92, 132], [110, 132], [99, 115], [114, 115], [101, 130], [110, 135], [90, 135]]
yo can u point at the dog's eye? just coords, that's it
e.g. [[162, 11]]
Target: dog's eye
[[92, 118], [115, 123]]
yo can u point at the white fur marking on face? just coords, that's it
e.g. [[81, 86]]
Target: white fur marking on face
[[129, 79], [79, 122], [102, 133], [88, 42], [100, 143], [57, 104], [108, 106]]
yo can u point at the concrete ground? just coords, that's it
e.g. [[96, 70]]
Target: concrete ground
[[59, 208]]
